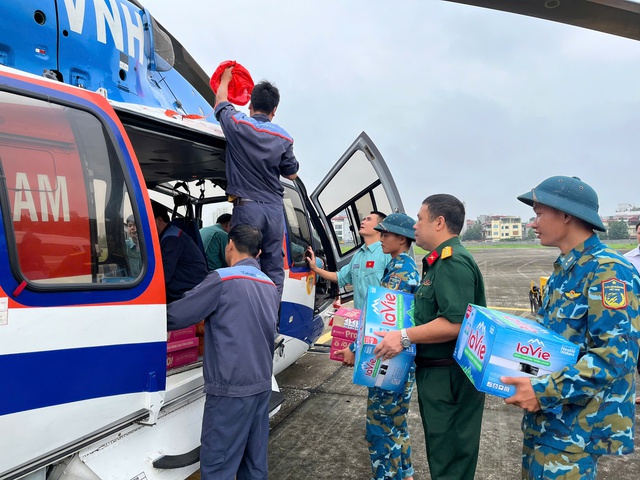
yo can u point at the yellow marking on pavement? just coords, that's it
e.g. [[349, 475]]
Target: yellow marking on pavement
[[326, 338], [511, 308]]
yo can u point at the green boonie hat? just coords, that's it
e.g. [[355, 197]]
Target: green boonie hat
[[398, 223], [567, 194]]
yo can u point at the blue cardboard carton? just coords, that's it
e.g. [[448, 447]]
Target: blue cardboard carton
[[493, 344], [385, 310]]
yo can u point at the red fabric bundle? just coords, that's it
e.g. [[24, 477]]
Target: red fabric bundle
[[241, 83]]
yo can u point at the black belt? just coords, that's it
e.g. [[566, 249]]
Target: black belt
[[238, 202], [434, 362]]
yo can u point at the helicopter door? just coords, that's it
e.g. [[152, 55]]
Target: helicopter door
[[357, 185]]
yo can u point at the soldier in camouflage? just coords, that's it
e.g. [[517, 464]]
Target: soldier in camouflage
[[586, 410], [387, 430]]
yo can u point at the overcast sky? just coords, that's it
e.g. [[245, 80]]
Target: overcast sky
[[458, 99]]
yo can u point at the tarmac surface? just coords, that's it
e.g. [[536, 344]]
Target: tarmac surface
[[319, 431]]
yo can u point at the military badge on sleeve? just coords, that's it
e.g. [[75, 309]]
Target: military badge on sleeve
[[394, 282], [614, 294]]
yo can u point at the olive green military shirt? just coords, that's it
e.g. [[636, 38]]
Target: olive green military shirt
[[451, 280]]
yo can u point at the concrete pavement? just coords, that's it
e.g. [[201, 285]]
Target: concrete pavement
[[319, 433]]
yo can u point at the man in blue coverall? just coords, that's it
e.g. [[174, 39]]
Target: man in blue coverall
[[239, 305], [586, 410], [258, 152], [183, 263]]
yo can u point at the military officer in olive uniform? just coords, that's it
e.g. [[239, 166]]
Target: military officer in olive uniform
[[585, 410], [450, 406]]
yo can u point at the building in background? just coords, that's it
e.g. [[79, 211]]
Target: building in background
[[505, 227], [341, 227]]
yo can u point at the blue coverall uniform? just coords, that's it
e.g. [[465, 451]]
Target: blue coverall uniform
[[258, 152], [240, 306], [588, 408]]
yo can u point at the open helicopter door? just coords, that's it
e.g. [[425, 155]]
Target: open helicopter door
[[359, 183]]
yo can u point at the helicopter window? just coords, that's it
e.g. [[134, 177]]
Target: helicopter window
[[66, 195], [346, 210], [165, 56], [297, 227]]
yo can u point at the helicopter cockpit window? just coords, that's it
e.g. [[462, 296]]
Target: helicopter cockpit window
[[164, 54], [66, 195]]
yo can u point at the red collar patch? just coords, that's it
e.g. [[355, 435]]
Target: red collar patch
[[433, 256]]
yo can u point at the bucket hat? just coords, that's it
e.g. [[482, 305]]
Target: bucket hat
[[398, 223], [567, 194]]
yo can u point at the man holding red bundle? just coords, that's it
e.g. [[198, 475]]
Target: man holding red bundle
[[258, 153]]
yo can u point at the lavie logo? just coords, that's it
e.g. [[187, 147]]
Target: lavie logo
[[476, 343], [388, 309], [530, 350], [369, 367]]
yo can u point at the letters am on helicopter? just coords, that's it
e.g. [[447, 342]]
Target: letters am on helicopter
[[83, 340]]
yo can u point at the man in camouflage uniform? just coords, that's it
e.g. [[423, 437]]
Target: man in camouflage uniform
[[585, 410], [387, 429]]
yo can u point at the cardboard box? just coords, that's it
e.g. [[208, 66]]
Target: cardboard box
[[385, 310], [344, 323], [492, 344], [175, 335], [337, 344], [182, 352], [344, 330], [200, 328]]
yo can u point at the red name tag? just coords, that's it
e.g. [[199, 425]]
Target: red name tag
[[369, 264]]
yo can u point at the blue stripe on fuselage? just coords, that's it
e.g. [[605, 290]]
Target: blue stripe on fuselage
[[43, 379], [298, 321]]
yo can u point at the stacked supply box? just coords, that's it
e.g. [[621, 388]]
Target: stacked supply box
[[344, 330], [200, 335], [182, 347], [385, 310], [493, 344]]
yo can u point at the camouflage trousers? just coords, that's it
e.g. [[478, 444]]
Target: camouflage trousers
[[541, 462], [388, 433]]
